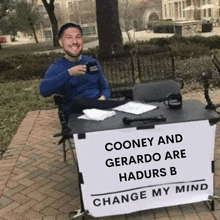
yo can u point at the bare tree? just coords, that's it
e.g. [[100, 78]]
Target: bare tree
[[109, 32], [28, 16], [132, 14], [53, 20], [125, 18], [4, 7]]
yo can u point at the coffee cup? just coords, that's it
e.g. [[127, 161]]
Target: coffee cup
[[173, 100]]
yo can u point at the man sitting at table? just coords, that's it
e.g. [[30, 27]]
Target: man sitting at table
[[78, 78]]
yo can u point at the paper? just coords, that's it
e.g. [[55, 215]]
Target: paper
[[96, 114], [135, 107]]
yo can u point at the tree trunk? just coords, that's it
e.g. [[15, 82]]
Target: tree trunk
[[35, 36], [109, 32], [55, 30], [53, 20]]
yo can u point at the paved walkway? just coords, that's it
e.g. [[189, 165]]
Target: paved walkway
[[36, 184]]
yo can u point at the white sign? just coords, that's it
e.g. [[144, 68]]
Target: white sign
[[129, 170]]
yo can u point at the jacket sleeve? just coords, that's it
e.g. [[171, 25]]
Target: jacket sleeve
[[54, 79]]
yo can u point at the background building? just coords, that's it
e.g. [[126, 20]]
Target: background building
[[190, 10], [135, 14], [81, 12]]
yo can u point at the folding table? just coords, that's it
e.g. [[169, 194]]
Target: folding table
[[146, 164]]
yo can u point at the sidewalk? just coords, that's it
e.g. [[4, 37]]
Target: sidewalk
[[35, 183]]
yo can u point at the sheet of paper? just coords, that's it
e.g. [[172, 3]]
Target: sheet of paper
[[96, 114], [135, 107]]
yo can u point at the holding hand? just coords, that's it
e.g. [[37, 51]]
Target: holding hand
[[79, 70]]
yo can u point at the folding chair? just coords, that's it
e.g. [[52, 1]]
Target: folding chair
[[156, 91], [65, 131]]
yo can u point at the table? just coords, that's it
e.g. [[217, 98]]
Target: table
[[192, 110], [146, 165]]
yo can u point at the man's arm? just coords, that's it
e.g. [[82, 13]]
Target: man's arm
[[56, 76], [54, 79]]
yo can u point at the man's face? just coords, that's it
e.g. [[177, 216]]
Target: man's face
[[72, 42]]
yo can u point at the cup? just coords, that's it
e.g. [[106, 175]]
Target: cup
[[173, 100]]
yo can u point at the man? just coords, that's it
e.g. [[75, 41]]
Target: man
[[74, 75]]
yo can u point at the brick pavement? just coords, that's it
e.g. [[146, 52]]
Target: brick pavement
[[35, 183]]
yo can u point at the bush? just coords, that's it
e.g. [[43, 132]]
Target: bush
[[25, 67], [189, 50], [161, 26], [166, 28], [206, 27], [25, 72]]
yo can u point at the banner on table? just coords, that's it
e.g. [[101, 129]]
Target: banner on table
[[129, 170]]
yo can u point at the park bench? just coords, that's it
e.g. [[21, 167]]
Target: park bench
[[138, 65]]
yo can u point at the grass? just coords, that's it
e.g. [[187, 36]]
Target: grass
[[16, 100], [27, 48]]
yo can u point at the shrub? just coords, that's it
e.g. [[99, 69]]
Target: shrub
[[206, 27], [25, 72], [189, 50], [163, 28], [25, 67]]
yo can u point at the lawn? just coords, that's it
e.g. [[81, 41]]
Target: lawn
[[16, 100]]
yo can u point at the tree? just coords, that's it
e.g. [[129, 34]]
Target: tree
[[132, 13], [4, 7], [9, 25], [125, 15], [109, 32], [28, 16], [53, 20], [4, 10]]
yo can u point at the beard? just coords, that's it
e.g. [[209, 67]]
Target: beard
[[73, 55]]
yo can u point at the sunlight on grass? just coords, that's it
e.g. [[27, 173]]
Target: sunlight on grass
[[16, 100]]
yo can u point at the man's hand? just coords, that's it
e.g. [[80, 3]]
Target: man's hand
[[102, 97], [79, 70]]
